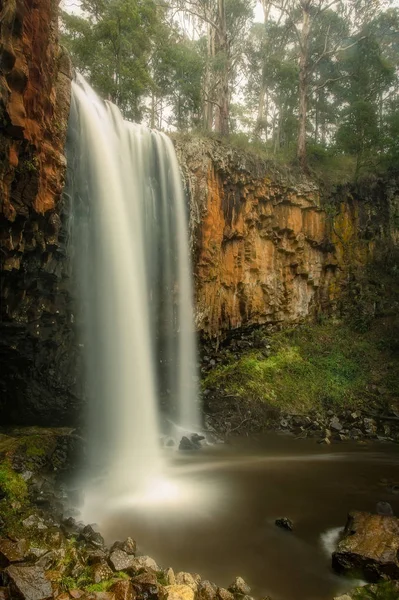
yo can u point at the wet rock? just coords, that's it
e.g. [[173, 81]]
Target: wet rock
[[143, 562], [92, 537], [170, 576], [101, 572], [11, 552], [384, 508], [370, 426], [76, 594], [4, 594], [99, 596], [186, 444], [344, 597], [121, 561], [223, 594], [183, 578], [197, 439], [123, 590], [240, 587], [325, 440], [129, 546], [335, 424], [206, 590], [370, 546], [177, 592], [284, 523], [146, 586], [29, 583], [96, 555], [34, 521]]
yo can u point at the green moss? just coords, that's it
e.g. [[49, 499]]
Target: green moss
[[311, 367], [12, 484], [384, 591], [104, 586]]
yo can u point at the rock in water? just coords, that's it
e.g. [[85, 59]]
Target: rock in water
[[285, 523], [29, 583], [370, 546], [384, 508]]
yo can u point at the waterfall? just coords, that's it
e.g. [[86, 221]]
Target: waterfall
[[132, 257]]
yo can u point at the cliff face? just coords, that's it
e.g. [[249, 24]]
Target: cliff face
[[267, 248], [36, 374]]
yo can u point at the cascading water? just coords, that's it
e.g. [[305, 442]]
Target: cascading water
[[130, 238]]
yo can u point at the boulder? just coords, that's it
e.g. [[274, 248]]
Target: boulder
[[129, 546], [223, 594], [370, 546], [142, 562], [284, 523], [121, 561], [92, 537], [206, 590], [11, 551], [177, 592], [101, 572], [123, 590], [146, 586], [183, 578], [239, 587], [28, 582], [170, 576]]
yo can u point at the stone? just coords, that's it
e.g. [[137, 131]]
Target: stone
[[142, 562], [336, 424], [284, 523], [177, 592], [370, 546], [11, 552], [92, 537], [121, 561], [34, 522], [183, 578], [186, 444], [129, 546], [206, 590], [123, 590], [95, 555], [146, 585], [101, 572], [29, 582], [223, 594], [384, 508], [4, 594], [99, 596], [170, 576], [325, 441], [240, 587], [344, 597], [76, 593]]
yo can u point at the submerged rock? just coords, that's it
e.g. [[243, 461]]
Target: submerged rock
[[370, 546], [29, 583], [284, 523]]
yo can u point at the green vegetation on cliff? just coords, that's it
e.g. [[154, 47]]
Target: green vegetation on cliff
[[313, 367]]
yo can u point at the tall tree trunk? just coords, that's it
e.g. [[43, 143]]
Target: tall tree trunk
[[261, 111], [223, 107], [303, 82], [208, 106]]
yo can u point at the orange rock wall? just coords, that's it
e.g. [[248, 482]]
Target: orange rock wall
[[266, 248], [35, 326]]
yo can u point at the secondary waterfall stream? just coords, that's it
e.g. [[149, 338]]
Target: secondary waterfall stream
[[132, 257]]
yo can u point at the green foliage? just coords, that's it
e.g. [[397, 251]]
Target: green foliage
[[12, 484], [104, 586], [315, 366]]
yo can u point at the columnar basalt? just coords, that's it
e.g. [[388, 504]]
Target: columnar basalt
[[268, 247], [36, 381]]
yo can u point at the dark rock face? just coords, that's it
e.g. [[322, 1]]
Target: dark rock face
[[29, 583], [370, 546], [37, 342]]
